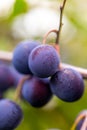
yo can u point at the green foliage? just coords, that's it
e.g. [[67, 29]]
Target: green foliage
[[20, 7]]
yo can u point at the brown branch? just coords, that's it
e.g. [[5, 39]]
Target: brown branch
[[7, 56], [82, 71], [60, 21]]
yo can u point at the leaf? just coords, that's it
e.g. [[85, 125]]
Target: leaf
[[20, 7]]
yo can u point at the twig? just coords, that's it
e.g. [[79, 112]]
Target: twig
[[46, 35], [82, 71], [60, 21], [56, 46], [7, 56]]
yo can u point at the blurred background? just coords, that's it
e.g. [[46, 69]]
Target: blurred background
[[32, 19]]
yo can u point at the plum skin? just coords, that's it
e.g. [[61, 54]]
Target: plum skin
[[20, 56], [10, 114], [79, 125], [44, 61], [67, 84], [6, 78], [36, 92], [16, 76]]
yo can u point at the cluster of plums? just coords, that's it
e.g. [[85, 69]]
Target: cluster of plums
[[10, 112], [42, 63]]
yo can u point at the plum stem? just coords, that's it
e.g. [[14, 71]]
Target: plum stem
[[46, 35], [60, 22], [56, 46]]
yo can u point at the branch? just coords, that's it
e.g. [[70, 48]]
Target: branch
[[7, 56], [82, 71], [60, 21]]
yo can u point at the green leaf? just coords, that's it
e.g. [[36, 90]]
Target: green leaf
[[20, 7]]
